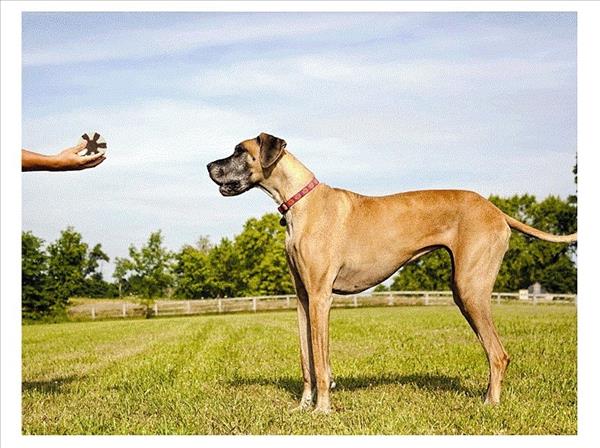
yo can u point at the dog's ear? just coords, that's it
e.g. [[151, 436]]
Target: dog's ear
[[271, 149]]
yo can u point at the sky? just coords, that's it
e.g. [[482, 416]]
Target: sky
[[372, 102]]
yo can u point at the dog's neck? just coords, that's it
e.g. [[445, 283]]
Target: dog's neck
[[287, 178]]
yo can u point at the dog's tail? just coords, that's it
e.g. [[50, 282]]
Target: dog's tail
[[528, 230]]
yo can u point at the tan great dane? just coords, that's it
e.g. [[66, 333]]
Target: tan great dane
[[342, 242]]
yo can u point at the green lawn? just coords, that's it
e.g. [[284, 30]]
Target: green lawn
[[400, 370]]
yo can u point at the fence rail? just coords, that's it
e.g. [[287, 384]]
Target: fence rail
[[115, 308]]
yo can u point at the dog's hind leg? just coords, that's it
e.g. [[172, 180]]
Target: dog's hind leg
[[475, 269]]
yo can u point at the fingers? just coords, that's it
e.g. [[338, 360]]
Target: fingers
[[96, 160], [79, 147], [92, 157]]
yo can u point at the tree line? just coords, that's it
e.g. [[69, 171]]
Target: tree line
[[253, 263]]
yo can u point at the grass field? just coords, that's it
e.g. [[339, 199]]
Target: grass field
[[400, 370]]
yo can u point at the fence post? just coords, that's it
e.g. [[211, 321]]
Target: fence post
[[497, 298], [156, 308], [125, 309], [390, 300], [93, 312], [426, 298], [355, 301], [535, 299], [189, 306], [254, 304], [219, 305], [287, 300]]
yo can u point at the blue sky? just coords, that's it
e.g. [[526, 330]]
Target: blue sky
[[376, 103]]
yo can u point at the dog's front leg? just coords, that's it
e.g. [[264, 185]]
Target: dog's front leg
[[306, 356], [319, 306]]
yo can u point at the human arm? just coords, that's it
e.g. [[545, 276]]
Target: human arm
[[66, 160]]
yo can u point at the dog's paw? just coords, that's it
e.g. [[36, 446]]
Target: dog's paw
[[304, 405], [489, 401], [322, 410]]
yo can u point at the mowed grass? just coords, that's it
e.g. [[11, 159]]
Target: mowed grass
[[400, 370]]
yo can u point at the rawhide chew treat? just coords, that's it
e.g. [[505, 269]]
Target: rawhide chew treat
[[94, 143]]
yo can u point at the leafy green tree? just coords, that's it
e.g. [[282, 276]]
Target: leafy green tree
[[195, 274], [261, 251], [432, 272], [68, 265], [95, 256], [35, 300], [149, 267], [120, 275], [65, 269], [224, 271], [253, 263], [94, 284], [531, 260]]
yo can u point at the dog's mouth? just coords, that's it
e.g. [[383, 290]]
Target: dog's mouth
[[233, 188], [229, 189]]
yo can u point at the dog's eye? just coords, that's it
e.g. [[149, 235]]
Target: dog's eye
[[238, 150]]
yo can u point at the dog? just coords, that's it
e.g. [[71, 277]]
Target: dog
[[342, 242]]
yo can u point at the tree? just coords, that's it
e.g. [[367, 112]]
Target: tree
[[68, 266], [381, 288], [261, 251], [253, 263], [223, 271], [94, 284], [73, 268], [149, 268], [51, 277], [35, 300], [432, 272], [195, 276], [531, 260], [94, 257], [120, 274]]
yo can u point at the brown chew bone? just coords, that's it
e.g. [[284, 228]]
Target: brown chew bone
[[93, 144]]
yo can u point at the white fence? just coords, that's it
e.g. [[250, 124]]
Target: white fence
[[113, 308]]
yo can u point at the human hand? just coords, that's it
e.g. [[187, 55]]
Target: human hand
[[70, 160]]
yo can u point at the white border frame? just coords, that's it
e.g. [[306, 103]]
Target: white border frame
[[588, 143]]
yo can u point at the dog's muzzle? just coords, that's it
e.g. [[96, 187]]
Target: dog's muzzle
[[228, 185]]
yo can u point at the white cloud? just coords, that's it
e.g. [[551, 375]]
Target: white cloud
[[298, 75], [202, 32]]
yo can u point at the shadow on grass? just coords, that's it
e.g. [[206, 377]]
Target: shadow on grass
[[427, 382], [49, 387]]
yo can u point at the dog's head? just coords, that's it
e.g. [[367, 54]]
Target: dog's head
[[251, 162]]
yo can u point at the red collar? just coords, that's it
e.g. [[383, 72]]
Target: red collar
[[284, 207]]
